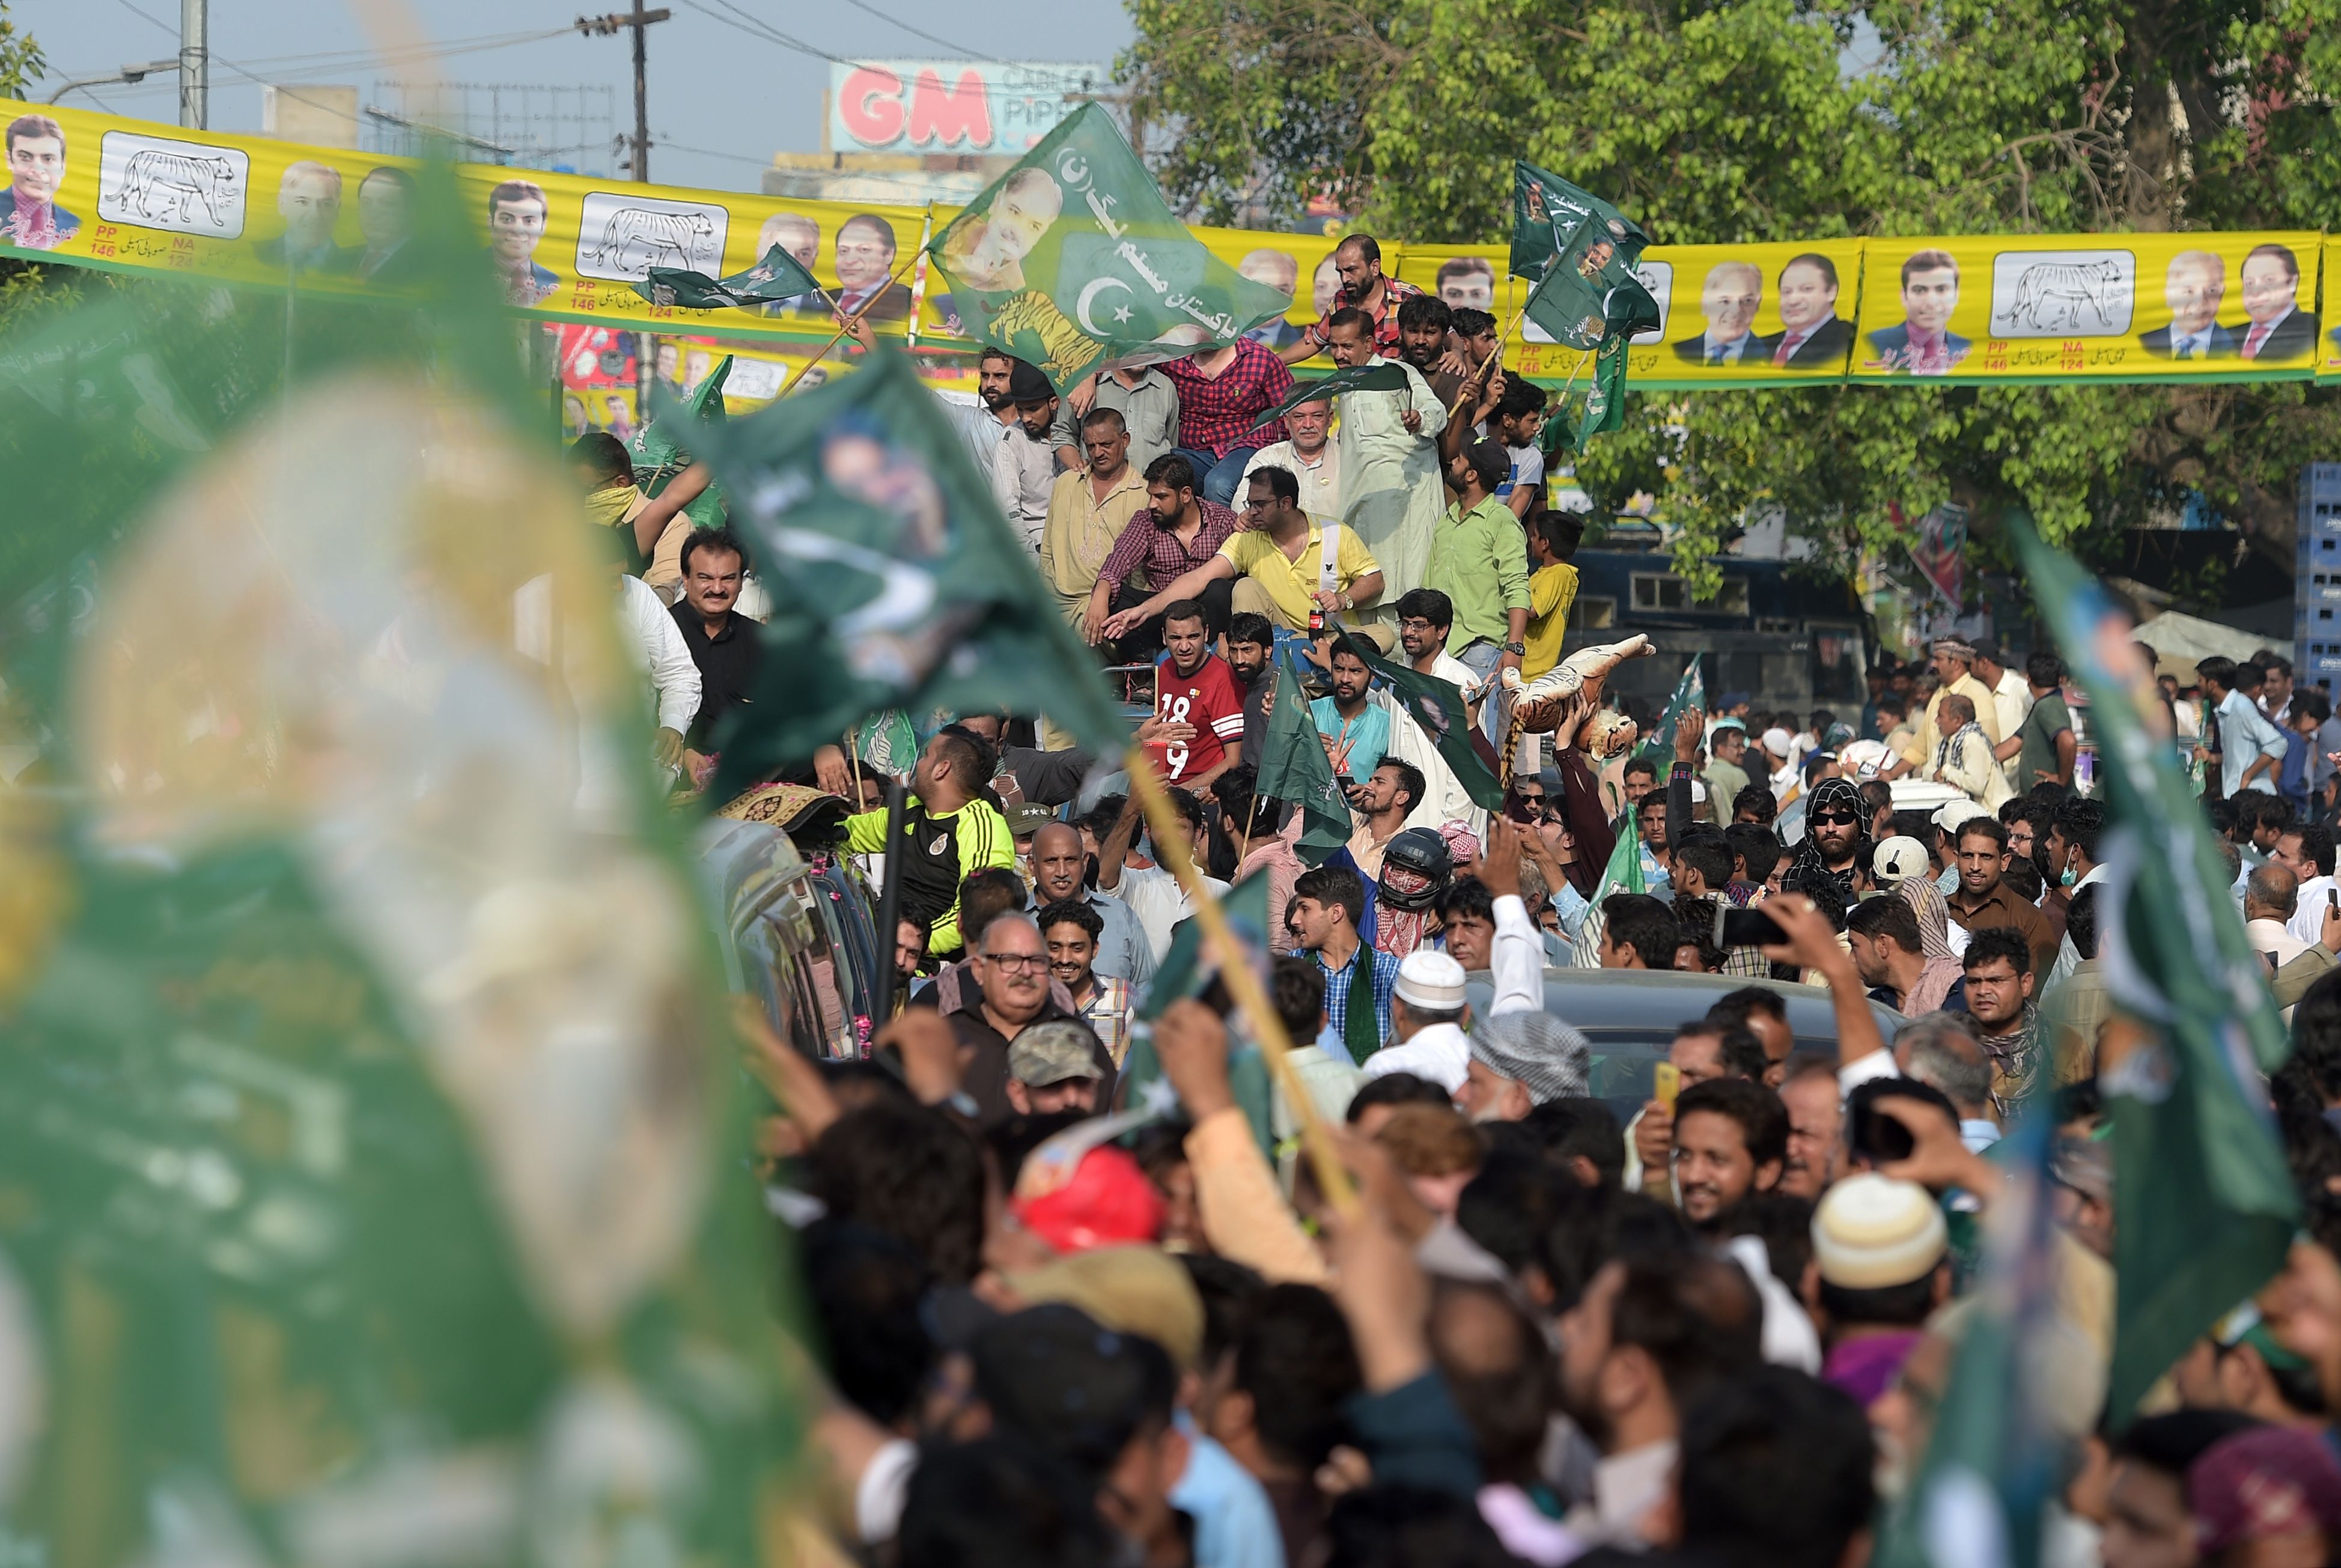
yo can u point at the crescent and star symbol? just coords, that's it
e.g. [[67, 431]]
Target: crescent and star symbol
[[1089, 297]]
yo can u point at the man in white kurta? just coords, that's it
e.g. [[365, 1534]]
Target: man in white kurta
[[1392, 493]]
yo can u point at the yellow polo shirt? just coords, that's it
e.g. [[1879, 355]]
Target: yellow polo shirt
[[1551, 590], [1290, 585]]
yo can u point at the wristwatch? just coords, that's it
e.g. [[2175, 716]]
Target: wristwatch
[[1519, 649]]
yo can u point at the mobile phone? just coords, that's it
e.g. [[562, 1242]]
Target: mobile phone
[[1666, 1082], [1746, 928]]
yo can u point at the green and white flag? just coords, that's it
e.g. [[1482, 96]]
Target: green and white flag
[[1383, 377], [1439, 707], [896, 583], [1690, 691], [1072, 262], [665, 443], [780, 276], [2207, 1207], [1583, 253], [1622, 874], [1294, 768]]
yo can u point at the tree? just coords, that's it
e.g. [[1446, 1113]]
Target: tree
[[1741, 121]]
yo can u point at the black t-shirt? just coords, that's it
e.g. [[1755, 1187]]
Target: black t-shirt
[[728, 663]]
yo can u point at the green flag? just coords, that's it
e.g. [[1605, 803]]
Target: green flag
[[1621, 874], [1073, 263], [2206, 1203], [1185, 974], [778, 277], [1604, 408], [1439, 707], [895, 582], [1690, 691], [1293, 768], [1384, 377], [296, 936], [664, 446], [1582, 254]]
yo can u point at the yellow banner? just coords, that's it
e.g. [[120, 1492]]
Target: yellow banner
[[2080, 307], [2328, 342], [97, 190]]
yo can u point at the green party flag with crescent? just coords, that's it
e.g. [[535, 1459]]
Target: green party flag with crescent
[[664, 446], [896, 582], [1072, 262], [2208, 1206], [1437, 706], [1690, 691], [777, 277], [1583, 253], [1294, 768]]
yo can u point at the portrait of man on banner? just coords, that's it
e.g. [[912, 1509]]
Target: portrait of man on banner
[[29, 213], [1922, 343]]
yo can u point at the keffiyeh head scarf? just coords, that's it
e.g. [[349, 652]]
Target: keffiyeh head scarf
[[1925, 901], [1539, 1052], [1831, 794]]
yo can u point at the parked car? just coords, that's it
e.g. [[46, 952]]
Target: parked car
[[797, 936], [1629, 1016]]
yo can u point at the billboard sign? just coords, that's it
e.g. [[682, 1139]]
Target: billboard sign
[[962, 107]]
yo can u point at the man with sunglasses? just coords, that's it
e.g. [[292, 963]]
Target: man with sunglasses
[[1835, 821]]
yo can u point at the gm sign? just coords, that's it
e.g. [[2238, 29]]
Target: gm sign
[[952, 105]]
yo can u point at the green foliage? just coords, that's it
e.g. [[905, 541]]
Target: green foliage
[[21, 61], [1743, 121]]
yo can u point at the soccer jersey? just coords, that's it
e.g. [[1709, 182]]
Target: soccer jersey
[[1211, 701]]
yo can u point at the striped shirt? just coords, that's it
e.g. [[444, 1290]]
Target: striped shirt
[[1337, 988], [1145, 542]]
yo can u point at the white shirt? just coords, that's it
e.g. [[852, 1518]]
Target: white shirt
[[1726, 354], [1155, 897], [2192, 345], [2307, 921], [656, 646], [1321, 481]]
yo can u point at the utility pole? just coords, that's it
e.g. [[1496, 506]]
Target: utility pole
[[196, 64], [606, 26]]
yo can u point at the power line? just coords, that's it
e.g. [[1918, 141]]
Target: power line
[[921, 33], [755, 27]]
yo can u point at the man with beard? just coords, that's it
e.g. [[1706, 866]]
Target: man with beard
[[1889, 954], [1023, 468], [1426, 618], [1649, 1335], [1250, 640], [1176, 533], [1732, 1139], [1060, 864], [1392, 489], [1985, 902], [1835, 843]]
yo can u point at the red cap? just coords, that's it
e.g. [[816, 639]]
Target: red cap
[[1109, 1202]]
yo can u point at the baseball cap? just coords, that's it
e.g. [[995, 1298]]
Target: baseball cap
[[1052, 1053], [1537, 1051], [1107, 1202], [1026, 818], [1954, 813], [1056, 1376], [2267, 1481], [1027, 384], [1871, 1232], [1430, 981], [1897, 861], [1140, 1290]]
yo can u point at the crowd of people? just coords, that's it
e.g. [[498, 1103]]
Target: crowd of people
[[1077, 1296]]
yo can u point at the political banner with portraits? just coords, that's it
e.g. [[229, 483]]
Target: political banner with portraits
[[2084, 307], [102, 191]]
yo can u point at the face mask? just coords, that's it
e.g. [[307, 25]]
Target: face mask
[[2068, 878], [607, 508]]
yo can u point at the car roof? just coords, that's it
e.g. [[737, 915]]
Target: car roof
[[1653, 1001]]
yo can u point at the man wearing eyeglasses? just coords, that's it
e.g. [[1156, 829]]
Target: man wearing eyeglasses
[[1012, 967]]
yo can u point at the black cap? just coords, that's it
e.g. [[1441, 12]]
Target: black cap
[[1026, 384], [1053, 1374]]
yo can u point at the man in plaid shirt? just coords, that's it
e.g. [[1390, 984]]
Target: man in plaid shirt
[[1323, 914], [1071, 931], [1222, 392], [1358, 260], [1174, 533]]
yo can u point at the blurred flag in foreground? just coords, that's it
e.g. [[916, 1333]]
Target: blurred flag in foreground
[[2207, 1205], [1294, 768], [1690, 691]]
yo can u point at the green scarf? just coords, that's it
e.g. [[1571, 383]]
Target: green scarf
[[1362, 1031]]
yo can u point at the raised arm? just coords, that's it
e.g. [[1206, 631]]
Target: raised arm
[[1189, 584], [1114, 848]]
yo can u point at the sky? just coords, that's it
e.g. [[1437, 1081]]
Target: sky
[[724, 95]]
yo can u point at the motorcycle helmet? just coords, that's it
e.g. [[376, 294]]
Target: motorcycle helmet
[[1416, 868]]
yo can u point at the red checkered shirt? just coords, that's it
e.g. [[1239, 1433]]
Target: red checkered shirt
[[1216, 415], [1394, 294], [1145, 542]]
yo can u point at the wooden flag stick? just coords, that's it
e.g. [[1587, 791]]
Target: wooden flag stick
[[1476, 376], [847, 326], [1250, 997]]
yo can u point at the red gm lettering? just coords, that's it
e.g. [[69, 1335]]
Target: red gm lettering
[[942, 115], [871, 105]]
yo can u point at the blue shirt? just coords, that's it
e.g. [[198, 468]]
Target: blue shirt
[[2245, 737], [1366, 737], [1336, 990], [1123, 952], [1235, 1527]]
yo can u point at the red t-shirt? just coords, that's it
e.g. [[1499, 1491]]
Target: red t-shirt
[[1211, 701]]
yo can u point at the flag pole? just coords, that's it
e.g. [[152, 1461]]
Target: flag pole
[[847, 326], [1251, 997], [889, 903], [1476, 376]]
